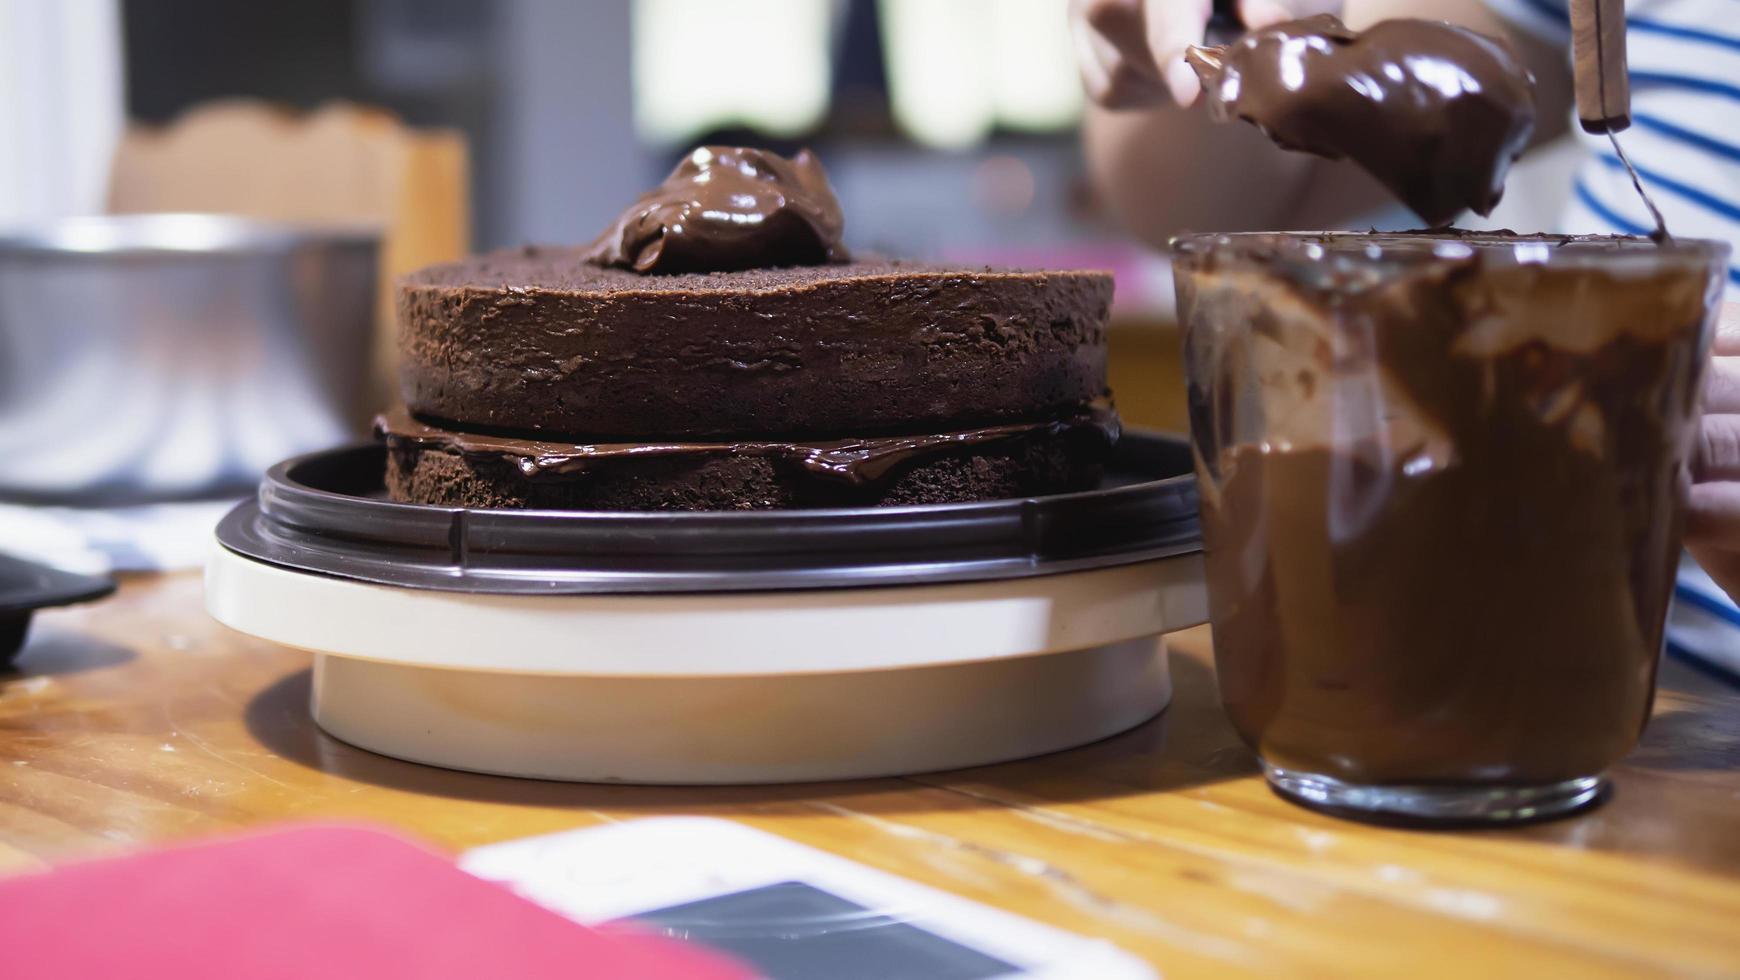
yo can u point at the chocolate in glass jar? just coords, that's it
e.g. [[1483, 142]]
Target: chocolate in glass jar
[[1442, 480]]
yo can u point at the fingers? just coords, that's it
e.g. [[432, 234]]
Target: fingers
[[1716, 454], [1258, 14], [1728, 330], [1131, 52], [1095, 75], [1713, 503], [1119, 25], [1172, 26], [1112, 52], [1713, 515], [1722, 386]]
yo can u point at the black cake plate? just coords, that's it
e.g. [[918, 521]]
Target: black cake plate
[[26, 587], [326, 513]]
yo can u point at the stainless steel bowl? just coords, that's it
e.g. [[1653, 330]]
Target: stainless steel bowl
[[165, 356]]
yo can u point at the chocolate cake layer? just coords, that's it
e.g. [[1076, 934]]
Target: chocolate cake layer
[[427, 464], [536, 339]]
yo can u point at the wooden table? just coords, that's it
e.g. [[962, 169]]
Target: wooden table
[[141, 720]]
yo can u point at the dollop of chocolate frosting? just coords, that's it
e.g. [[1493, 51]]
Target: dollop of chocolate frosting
[[1435, 112], [725, 209]]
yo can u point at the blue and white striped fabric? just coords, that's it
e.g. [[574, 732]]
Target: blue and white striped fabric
[[1685, 107], [1685, 141], [1704, 625]]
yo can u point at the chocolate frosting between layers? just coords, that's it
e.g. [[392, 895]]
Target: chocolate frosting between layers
[[1435, 112], [854, 461], [728, 208]]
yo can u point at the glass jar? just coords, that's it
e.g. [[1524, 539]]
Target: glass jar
[[1442, 480]]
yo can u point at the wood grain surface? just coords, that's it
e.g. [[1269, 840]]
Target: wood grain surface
[[141, 720]]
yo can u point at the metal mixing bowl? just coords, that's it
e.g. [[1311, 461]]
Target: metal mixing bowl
[[164, 356]]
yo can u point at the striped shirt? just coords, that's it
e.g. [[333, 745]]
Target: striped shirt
[[1685, 112]]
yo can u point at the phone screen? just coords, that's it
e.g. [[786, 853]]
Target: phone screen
[[795, 931]]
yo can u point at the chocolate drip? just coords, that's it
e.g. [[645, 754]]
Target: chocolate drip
[[1435, 112], [725, 209], [1660, 233], [855, 462]]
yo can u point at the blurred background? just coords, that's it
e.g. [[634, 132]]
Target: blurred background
[[441, 127], [945, 124]]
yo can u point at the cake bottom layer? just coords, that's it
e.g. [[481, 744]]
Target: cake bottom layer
[[429, 464]]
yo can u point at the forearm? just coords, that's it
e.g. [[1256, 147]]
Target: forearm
[[1168, 170]]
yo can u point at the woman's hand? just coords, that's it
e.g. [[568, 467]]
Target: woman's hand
[[1713, 516], [1131, 52]]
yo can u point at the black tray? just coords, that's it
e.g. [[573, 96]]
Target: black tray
[[26, 587], [325, 513]]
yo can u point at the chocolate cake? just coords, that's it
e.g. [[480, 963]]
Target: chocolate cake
[[689, 360], [540, 340]]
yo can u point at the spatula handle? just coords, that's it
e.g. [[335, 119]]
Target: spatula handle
[[1598, 59]]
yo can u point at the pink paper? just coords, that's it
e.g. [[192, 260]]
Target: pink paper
[[329, 902]]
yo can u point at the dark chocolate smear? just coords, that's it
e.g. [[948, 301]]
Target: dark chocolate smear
[[1435, 112], [855, 461], [726, 209]]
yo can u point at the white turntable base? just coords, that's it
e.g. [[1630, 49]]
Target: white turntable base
[[725, 688]]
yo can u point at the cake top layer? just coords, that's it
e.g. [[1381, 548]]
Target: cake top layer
[[565, 269]]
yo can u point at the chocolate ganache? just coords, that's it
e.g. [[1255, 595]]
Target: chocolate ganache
[[857, 461], [1435, 112], [729, 208]]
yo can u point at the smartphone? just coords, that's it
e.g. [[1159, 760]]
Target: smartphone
[[790, 911]]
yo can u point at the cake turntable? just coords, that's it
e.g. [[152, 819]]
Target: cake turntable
[[719, 647]]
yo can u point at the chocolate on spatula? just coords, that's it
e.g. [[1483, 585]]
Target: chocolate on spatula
[[1435, 112]]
